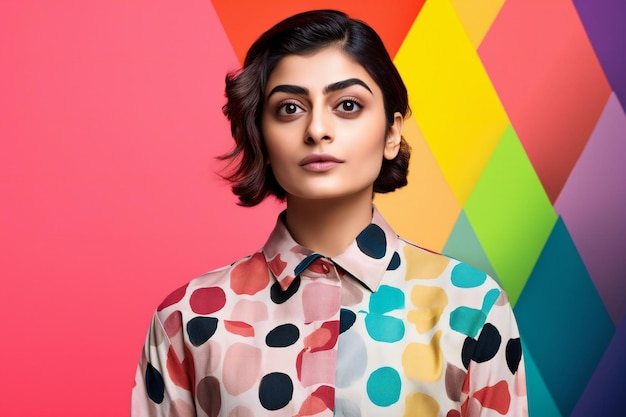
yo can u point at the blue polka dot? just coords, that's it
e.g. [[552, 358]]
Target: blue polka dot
[[383, 386], [346, 319], [394, 263], [275, 391], [513, 354], [306, 262], [282, 336], [200, 329], [279, 296], [372, 241], [465, 276], [155, 386]]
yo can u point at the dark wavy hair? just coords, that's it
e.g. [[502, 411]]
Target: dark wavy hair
[[252, 179]]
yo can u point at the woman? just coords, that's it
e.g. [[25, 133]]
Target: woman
[[336, 314]]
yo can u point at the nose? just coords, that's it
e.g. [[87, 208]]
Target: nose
[[320, 127]]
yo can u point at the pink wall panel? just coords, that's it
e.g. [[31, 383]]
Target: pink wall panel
[[109, 120]]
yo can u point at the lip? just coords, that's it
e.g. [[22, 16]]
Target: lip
[[319, 162]]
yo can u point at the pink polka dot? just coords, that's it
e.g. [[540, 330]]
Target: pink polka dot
[[317, 367], [173, 324], [520, 382], [179, 408], [250, 276], [207, 300], [249, 311], [472, 408], [208, 356], [241, 368], [240, 411], [320, 301], [173, 298], [351, 292]]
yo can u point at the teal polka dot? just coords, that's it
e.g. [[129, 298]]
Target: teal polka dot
[[384, 328], [383, 386], [467, 320], [465, 276], [379, 326], [386, 299], [490, 299]]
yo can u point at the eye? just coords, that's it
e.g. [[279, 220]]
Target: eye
[[288, 109], [349, 106]]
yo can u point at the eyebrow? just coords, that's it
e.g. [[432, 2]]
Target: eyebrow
[[339, 85]]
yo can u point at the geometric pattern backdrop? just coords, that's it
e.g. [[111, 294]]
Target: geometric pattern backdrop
[[111, 113]]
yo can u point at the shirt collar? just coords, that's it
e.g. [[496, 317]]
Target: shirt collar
[[367, 258]]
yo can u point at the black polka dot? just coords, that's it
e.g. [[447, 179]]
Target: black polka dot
[[200, 329], [483, 349], [282, 336], [275, 391], [469, 346], [488, 343], [513, 354], [279, 296], [394, 263], [372, 241], [346, 319], [155, 387]]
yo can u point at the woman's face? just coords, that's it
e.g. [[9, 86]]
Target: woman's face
[[324, 126]]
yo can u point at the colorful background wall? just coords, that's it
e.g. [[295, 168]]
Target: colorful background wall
[[110, 121]]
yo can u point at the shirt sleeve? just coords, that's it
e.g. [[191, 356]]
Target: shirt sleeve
[[495, 384], [163, 379]]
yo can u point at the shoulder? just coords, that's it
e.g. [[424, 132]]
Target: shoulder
[[460, 280], [209, 291]]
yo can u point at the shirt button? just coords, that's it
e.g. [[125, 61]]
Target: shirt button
[[325, 268]]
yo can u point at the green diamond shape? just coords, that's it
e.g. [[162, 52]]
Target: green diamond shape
[[510, 214]]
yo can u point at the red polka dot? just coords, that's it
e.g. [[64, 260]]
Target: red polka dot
[[319, 266], [239, 327], [311, 406], [181, 373], [250, 276], [173, 298], [207, 300], [496, 397], [277, 265], [323, 338], [326, 394]]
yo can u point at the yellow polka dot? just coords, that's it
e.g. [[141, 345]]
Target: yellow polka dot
[[421, 264], [423, 362], [421, 405], [429, 303]]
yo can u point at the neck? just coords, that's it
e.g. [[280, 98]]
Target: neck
[[328, 227]]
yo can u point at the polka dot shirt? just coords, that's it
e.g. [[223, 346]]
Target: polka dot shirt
[[384, 329]]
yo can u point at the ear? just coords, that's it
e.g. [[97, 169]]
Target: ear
[[394, 137]]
